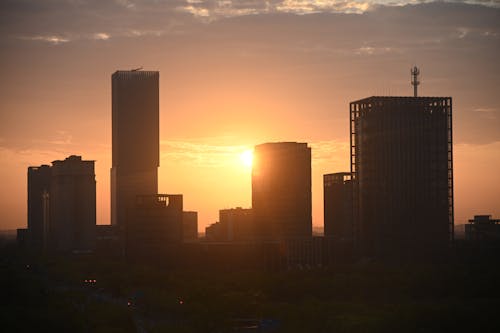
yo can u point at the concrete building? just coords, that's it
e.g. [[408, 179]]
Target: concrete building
[[135, 139], [281, 191], [72, 206], [190, 226], [155, 224], [402, 169], [337, 204], [38, 189]]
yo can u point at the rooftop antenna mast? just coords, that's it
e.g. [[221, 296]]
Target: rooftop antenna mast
[[415, 72]]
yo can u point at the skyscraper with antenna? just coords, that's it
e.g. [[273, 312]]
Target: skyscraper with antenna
[[402, 173]]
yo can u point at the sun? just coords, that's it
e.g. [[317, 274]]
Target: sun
[[247, 158]]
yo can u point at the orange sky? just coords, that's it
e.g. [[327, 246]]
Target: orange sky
[[229, 81]]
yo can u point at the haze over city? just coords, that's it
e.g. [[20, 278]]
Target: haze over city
[[237, 74]]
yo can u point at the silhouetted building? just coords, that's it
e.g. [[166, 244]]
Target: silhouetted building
[[483, 228], [154, 225], [401, 164], [337, 203], [214, 233], [281, 191], [190, 226], [72, 205], [62, 206], [235, 225], [135, 139], [38, 189]]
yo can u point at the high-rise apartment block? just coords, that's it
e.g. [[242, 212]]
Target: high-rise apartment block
[[72, 205], [281, 191], [401, 164], [62, 206], [135, 139]]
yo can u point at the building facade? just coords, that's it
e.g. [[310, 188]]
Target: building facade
[[155, 224], [281, 191], [337, 205], [72, 205], [135, 139], [402, 169], [190, 226], [38, 189]]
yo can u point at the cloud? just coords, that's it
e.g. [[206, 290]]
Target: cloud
[[52, 39], [488, 113], [101, 36]]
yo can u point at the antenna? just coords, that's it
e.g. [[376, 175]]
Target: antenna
[[136, 69], [415, 72]]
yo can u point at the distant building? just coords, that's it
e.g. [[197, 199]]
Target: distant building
[[281, 191], [402, 169], [483, 228], [337, 203], [72, 205], [38, 189], [215, 233], [154, 225], [135, 122], [189, 226], [235, 225], [62, 206]]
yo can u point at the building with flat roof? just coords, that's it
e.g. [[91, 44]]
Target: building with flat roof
[[281, 191], [337, 205], [402, 170], [72, 205], [155, 225], [190, 226], [135, 139]]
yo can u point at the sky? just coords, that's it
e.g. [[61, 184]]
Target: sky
[[234, 74]]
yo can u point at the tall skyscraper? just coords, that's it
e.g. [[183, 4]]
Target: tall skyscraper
[[135, 139], [281, 191], [401, 163], [72, 205], [337, 203]]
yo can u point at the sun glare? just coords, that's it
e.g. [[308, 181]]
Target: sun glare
[[246, 158]]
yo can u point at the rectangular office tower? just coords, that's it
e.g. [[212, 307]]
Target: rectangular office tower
[[401, 164], [135, 139], [281, 191], [337, 204], [72, 206]]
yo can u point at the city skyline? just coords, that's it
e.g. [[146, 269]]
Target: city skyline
[[214, 108]]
